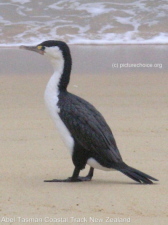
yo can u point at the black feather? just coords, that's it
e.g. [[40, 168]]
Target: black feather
[[137, 175], [88, 127]]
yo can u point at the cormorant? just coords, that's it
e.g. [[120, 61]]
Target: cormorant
[[82, 127]]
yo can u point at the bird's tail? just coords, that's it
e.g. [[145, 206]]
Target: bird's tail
[[137, 175]]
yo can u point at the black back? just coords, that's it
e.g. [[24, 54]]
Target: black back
[[89, 129]]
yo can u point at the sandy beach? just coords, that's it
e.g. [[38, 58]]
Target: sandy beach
[[134, 102]]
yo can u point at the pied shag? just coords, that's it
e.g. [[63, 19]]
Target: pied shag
[[82, 127]]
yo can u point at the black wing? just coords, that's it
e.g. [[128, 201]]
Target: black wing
[[88, 127]]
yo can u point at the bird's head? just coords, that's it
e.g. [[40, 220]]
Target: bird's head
[[57, 51]]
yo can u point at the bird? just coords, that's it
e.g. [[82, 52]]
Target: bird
[[83, 128]]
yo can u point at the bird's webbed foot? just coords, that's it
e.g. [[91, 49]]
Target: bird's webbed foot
[[75, 177], [69, 179]]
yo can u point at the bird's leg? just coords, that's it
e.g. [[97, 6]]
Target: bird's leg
[[89, 176], [75, 177]]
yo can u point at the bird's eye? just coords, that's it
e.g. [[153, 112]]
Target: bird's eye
[[40, 47]]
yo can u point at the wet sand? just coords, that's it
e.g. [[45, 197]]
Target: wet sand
[[135, 104]]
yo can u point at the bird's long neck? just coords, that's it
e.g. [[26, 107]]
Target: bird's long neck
[[57, 83], [65, 77], [62, 66]]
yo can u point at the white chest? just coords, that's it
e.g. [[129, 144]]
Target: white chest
[[51, 100]]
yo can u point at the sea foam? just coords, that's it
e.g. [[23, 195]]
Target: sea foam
[[84, 22]]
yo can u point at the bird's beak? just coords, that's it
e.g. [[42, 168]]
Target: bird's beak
[[33, 48]]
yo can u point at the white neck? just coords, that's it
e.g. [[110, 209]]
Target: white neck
[[51, 94], [55, 56], [52, 91]]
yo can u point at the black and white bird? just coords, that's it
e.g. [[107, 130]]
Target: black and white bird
[[82, 127]]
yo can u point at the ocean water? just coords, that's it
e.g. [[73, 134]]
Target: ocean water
[[83, 21]]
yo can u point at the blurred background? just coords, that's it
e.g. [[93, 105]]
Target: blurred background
[[83, 21]]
